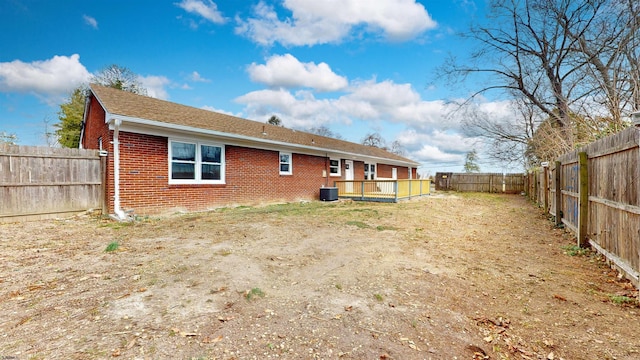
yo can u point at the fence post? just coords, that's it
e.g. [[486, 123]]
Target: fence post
[[583, 202], [545, 188], [558, 185], [395, 189], [536, 186]]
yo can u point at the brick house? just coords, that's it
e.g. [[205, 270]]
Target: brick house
[[165, 156]]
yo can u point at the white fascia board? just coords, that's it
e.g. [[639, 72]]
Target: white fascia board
[[150, 127]]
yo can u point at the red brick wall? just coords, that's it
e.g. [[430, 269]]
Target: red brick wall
[[385, 171], [358, 170], [252, 176], [95, 127]]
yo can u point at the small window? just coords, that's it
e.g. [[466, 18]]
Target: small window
[[334, 167], [369, 171], [285, 164], [192, 163]]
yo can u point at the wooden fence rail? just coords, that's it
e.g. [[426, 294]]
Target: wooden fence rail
[[40, 182], [595, 192]]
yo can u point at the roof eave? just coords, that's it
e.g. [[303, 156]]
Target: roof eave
[[250, 139]]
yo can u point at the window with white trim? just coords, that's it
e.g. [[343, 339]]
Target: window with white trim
[[195, 163], [285, 164], [334, 167], [369, 171]]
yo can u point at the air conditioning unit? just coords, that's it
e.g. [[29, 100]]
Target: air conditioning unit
[[329, 194]]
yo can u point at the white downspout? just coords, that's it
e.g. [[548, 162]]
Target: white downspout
[[120, 215]]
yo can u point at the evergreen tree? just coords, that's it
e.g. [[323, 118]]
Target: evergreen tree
[[470, 163], [70, 115], [274, 120]]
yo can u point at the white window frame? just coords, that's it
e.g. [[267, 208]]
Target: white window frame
[[198, 163], [339, 167], [290, 163], [368, 171]]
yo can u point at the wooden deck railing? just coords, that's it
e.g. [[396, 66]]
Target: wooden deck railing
[[382, 190]]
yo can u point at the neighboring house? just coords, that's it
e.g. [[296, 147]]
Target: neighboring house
[[165, 156]]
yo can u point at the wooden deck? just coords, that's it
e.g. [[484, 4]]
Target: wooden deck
[[382, 190]]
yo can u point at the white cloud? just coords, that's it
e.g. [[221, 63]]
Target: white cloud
[[91, 21], [155, 86], [369, 100], [211, 108], [51, 79], [287, 71], [318, 22], [195, 76], [207, 9], [432, 129]]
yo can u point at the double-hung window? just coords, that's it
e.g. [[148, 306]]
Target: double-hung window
[[195, 163], [334, 167], [369, 171], [285, 164]]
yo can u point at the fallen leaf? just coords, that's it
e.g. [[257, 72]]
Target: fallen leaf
[[561, 298], [208, 340], [488, 339]]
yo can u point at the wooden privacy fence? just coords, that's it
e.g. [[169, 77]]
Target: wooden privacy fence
[[595, 192], [39, 182], [480, 182]]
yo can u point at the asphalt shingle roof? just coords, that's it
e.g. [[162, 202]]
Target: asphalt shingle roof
[[123, 103]]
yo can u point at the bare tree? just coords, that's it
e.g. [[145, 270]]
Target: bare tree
[[397, 148], [50, 137], [569, 64], [324, 131], [611, 48], [121, 78], [8, 138], [374, 139], [507, 138]]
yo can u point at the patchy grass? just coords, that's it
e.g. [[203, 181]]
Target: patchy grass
[[358, 224], [113, 246], [384, 227], [575, 250], [251, 294], [623, 300]]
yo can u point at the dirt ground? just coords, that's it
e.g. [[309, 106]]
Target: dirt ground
[[450, 276]]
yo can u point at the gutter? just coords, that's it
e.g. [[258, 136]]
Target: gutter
[[87, 100], [119, 214]]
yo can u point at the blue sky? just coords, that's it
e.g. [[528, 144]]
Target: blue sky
[[354, 66]]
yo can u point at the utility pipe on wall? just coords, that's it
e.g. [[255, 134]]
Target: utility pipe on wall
[[116, 171]]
